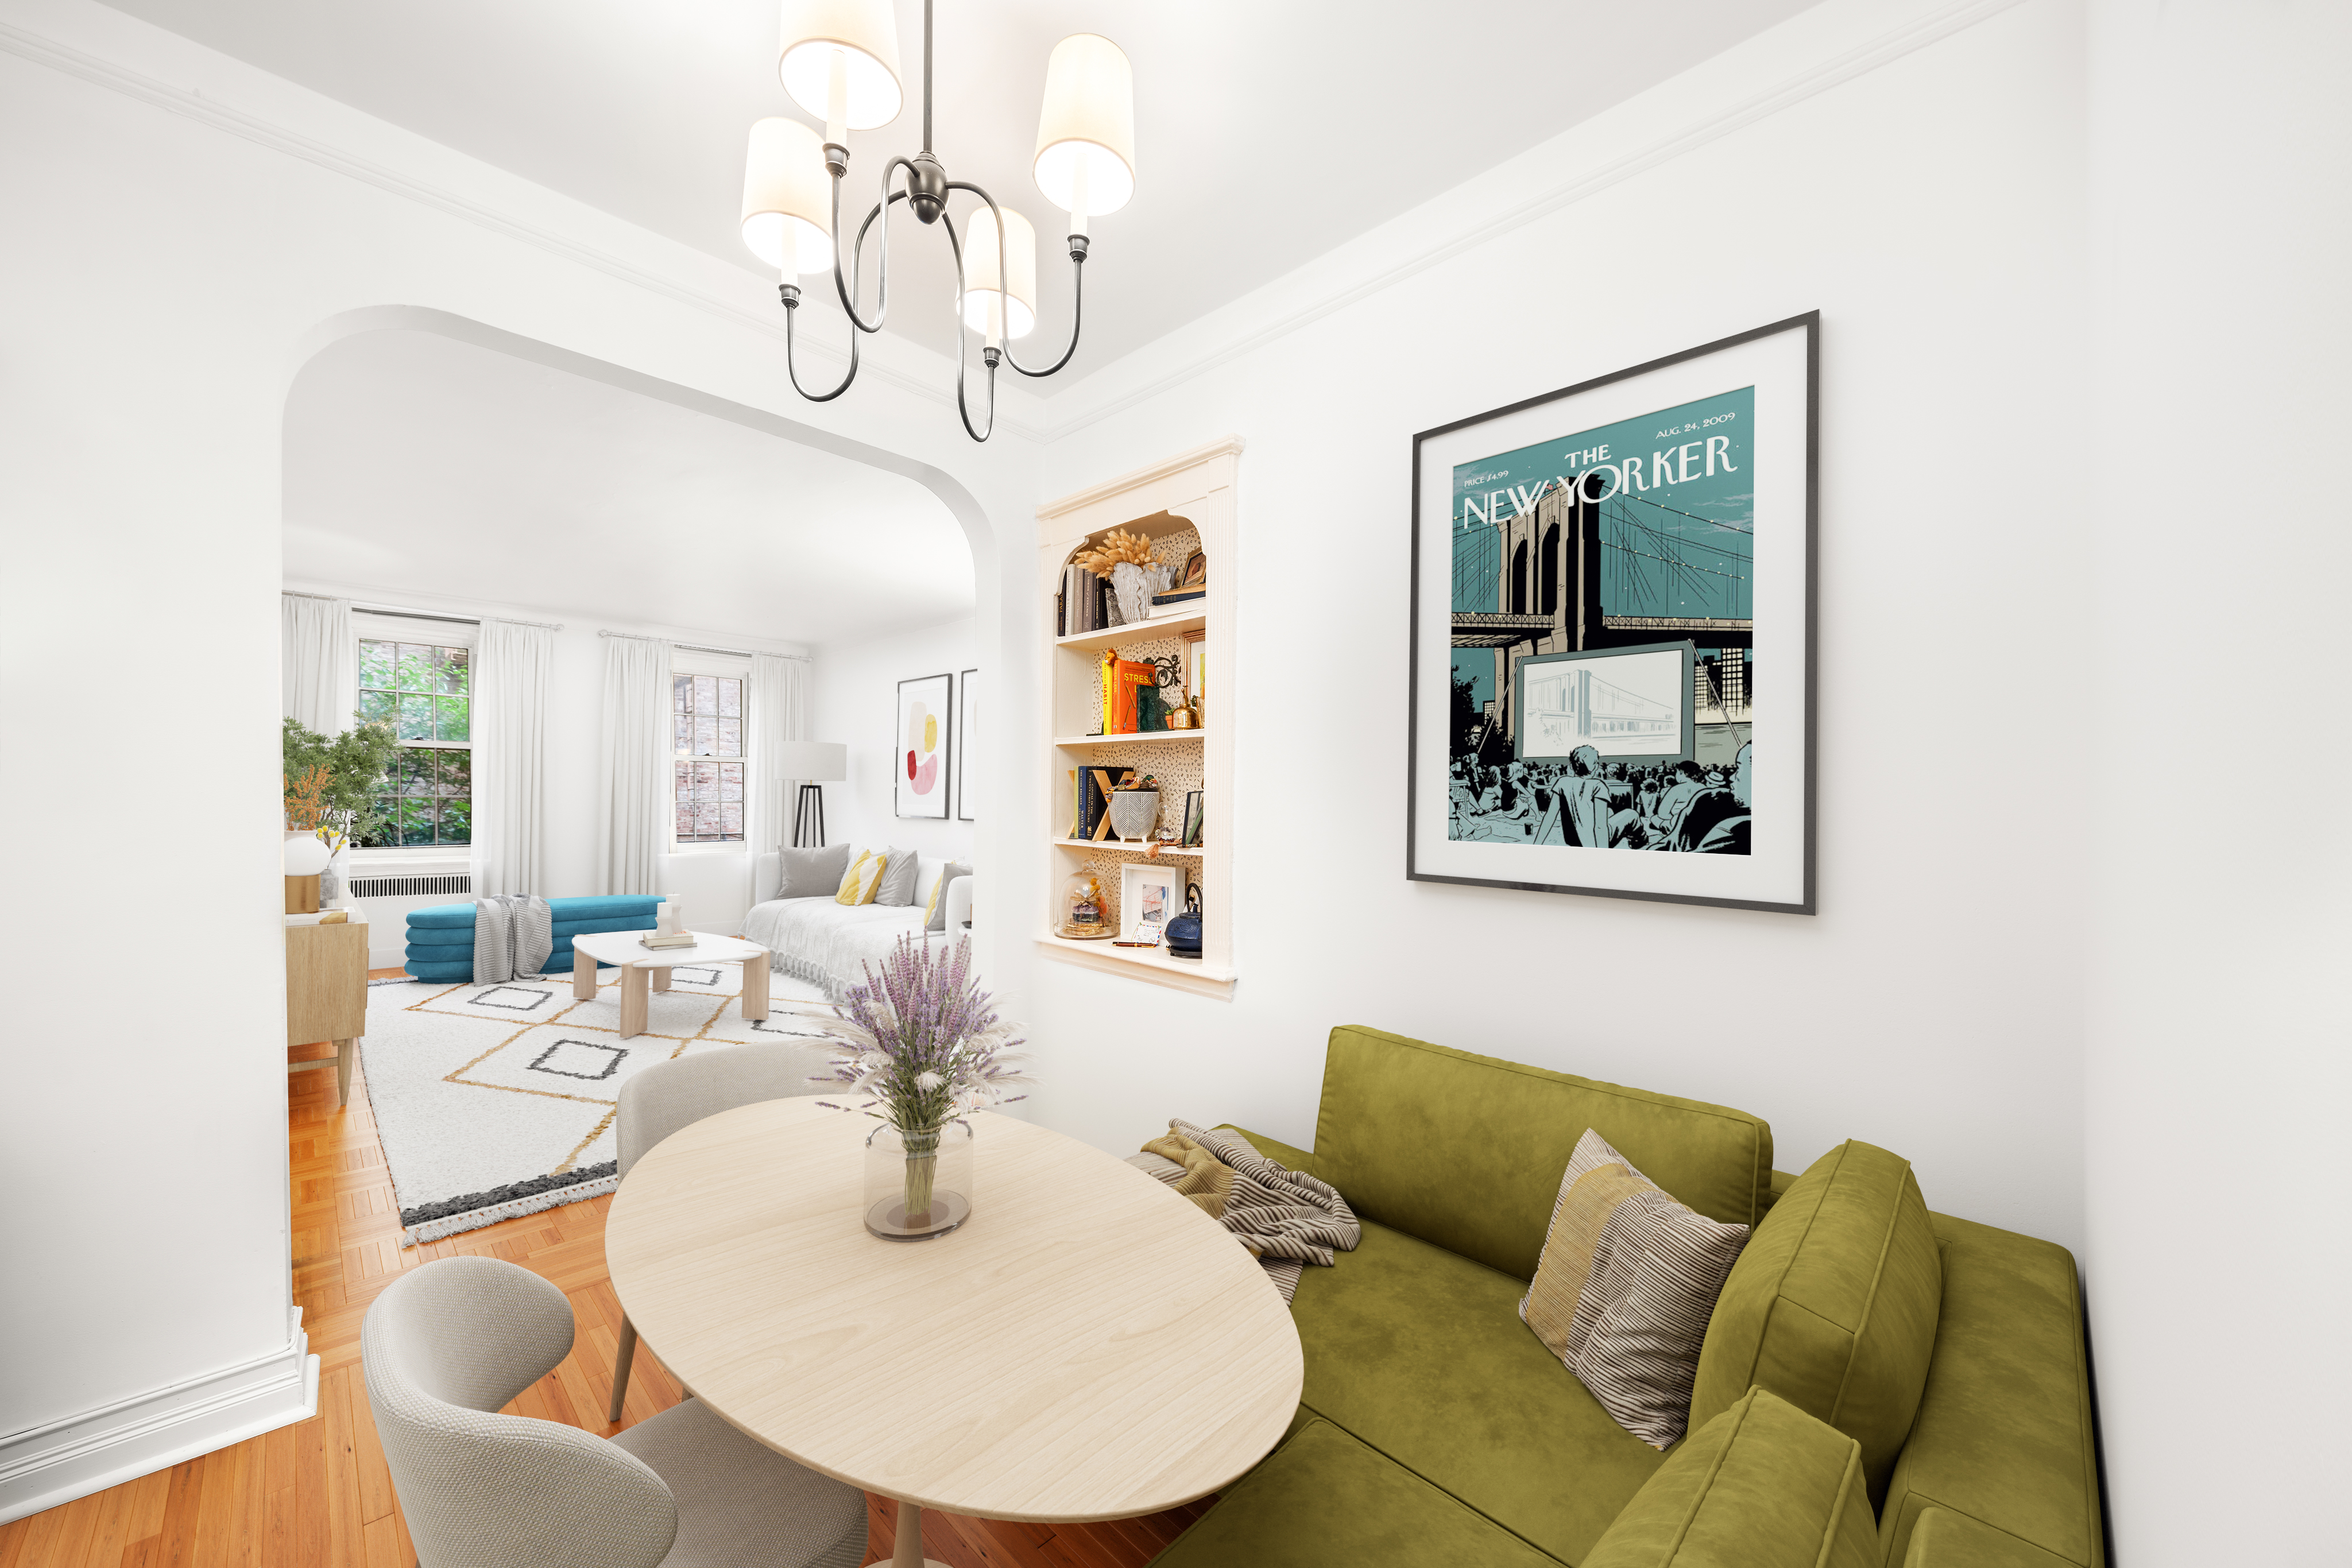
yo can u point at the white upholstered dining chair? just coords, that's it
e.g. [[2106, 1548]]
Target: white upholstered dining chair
[[673, 1094], [452, 1342]]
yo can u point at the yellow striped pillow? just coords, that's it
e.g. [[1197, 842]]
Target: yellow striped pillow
[[865, 874]]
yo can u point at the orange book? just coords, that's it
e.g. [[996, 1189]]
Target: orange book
[[1128, 678]]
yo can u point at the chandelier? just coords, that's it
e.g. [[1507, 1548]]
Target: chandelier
[[839, 61]]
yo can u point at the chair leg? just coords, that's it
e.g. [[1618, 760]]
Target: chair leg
[[628, 1353]]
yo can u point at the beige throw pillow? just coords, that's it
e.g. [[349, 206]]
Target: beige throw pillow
[[1625, 1287]]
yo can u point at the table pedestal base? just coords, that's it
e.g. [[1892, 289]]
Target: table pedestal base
[[907, 1542]]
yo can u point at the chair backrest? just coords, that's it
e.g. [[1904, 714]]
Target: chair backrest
[[673, 1094], [442, 1350]]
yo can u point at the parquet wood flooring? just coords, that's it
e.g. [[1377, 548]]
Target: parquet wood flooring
[[317, 1495]]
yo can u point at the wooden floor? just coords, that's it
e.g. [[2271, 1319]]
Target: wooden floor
[[317, 1495]]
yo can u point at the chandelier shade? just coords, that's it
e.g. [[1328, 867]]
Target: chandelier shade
[[863, 37], [980, 288], [1085, 133], [787, 198]]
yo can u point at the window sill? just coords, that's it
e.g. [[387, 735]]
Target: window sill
[[420, 859]]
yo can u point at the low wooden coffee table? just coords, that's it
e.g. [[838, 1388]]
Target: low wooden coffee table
[[643, 969], [1088, 1345]]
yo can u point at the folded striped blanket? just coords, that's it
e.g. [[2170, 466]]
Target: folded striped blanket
[[513, 936], [1285, 1217]]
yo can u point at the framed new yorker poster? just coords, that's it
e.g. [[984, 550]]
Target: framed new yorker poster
[[920, 774], [1612, 633], [967, 727]]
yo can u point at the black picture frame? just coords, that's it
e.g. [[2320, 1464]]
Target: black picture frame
[[1419, 725]]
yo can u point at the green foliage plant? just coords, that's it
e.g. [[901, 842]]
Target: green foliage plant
[[355, 762]]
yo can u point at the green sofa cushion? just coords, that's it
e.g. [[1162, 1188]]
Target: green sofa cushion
[[1421, 1354], [1324, 1498], [2004, 1433], [1948, 1539], [1832, 1306], [1466, 1151], [1763, 1485]]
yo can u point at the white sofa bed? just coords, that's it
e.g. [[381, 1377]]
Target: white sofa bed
[[828, 944]]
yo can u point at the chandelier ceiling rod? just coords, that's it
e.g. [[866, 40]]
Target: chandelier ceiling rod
[[843, 55]]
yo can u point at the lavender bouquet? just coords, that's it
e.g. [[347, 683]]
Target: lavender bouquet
[[926, 1049]]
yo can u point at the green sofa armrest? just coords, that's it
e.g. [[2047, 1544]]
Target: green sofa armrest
[[1275, 1150], [1942, 1539]]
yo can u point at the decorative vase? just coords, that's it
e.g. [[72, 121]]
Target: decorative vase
[[1132, 586], [918, 1182], [1184, 931], [1134, 812]]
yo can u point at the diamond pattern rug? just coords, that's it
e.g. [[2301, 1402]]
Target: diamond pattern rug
[[494, 1101]]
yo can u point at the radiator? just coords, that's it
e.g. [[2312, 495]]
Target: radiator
[[410, 886]]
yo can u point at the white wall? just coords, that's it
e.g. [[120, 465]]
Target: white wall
[[856, 702], [2218, 1072], [1932, 209], [141, 421], [714, 884]]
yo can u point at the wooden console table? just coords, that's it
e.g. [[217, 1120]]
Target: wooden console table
[[326, 994]]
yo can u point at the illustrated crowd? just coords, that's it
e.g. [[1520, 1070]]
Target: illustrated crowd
[[1678, 808]]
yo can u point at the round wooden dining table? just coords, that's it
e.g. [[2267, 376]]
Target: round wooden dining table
[[1088, 1345]]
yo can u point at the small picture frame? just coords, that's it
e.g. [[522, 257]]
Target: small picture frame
[[1196, 667], [1150, 896], [1196, 570], [1191, 834]]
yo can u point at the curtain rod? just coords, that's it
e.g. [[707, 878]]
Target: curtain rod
[[421, 614], [700, 648]]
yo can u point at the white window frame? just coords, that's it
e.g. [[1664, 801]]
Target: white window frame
[[683, 661], [369, 626]]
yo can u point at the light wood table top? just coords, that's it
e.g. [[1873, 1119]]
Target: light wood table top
[[627, 949], [1088, 1345]]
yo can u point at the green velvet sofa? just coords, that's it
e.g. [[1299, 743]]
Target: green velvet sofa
[[1435, 1429]]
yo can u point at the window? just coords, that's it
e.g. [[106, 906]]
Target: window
[[706, 717], [425, 690]]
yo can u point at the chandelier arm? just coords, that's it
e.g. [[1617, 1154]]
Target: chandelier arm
[[963, 411], [792, 309], [1077, 296], [882, 277]]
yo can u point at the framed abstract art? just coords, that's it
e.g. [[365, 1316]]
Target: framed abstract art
[[919, 774], [1612, 633]]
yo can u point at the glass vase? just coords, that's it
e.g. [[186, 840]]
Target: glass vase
[[918, 1183]]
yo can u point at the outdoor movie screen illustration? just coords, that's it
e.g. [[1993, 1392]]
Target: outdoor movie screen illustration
[[1603, 633]]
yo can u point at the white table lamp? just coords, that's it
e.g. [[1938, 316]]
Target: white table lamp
[[812, 762]]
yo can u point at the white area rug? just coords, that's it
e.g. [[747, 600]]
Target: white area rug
[[497, 1101]]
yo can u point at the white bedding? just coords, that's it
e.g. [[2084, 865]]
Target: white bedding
[[829, 944]]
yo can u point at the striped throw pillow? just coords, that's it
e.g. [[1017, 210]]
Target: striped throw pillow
[[864, 875], [1625, 1287]]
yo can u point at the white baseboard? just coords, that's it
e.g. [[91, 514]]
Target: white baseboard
[[46, 1466]]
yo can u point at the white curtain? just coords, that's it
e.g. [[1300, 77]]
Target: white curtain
[[632, 796], [513, 664], [778, 707], [319, 661]]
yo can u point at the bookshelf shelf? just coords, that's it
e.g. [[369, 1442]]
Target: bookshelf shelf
[[1181, 504], [1147, 738], [1137, 631]]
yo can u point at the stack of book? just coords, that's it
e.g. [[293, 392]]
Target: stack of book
[[1083, 605], [675, 939]]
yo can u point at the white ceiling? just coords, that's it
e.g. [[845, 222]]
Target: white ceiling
[[419, 465], [1266, 132]]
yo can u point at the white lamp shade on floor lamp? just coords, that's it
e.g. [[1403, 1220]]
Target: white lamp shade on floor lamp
[[825, 761]]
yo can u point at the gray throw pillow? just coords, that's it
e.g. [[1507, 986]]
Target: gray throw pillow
[[897, 886], [812, 873], [939, 920]]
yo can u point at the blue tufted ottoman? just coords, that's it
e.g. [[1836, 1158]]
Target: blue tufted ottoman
[[441, 935]]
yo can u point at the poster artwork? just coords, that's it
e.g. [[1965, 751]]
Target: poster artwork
[[1603, 681]]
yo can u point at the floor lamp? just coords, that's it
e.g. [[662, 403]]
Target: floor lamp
[[812, 762]]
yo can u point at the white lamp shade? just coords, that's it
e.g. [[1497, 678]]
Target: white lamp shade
[[1088, 119], [788, 193], [865, 33], [305, 855], [819, 761], [980, 288]]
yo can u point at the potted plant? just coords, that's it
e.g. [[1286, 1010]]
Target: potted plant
[[331, 788], [928, 1049]]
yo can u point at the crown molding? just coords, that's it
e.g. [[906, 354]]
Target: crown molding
[[1256, 319], [505, 221], [1230, 447]]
